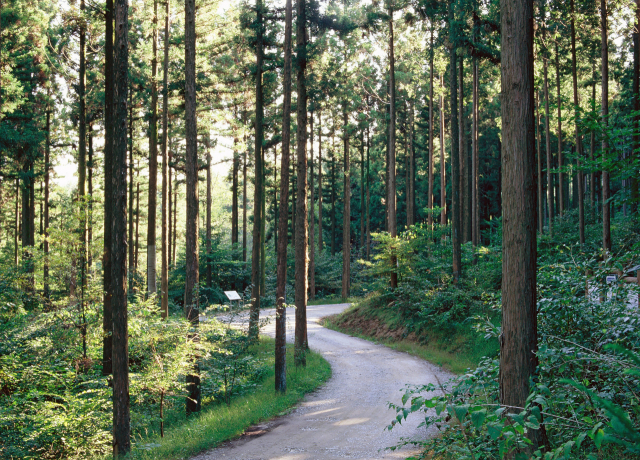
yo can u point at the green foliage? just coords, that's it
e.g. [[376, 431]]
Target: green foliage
[[584, 345]]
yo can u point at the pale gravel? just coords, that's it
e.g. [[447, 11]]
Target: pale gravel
[[347, 417]]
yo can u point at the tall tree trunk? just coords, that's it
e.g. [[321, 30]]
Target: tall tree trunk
[[281, 269], [462, 152], [475, 218], [170, 213], [120, 355], [137, 214], [47, 169], [208, 211], [455, 153], [245, 203], [346, 212], [131, 220], [192, 265], [412, 164], [606, 192], [301, 228], [592, 149], [333, 200], [362, 187], [312, 218], [546, 124], [443, 172], [82, 152], [430, 161], [576, 104], [320, 245], [391, 184], [109, 110], [16, 222], [153, 161], [518, 360], [90, 198], [368, 209], [539, 161], [175, 221], [234, 193], [561, 180], [166, 179], [635, 192], [257, 201]]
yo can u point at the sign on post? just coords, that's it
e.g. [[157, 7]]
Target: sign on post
[[232, 295]]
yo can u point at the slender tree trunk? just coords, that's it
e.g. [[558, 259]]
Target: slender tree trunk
[[90, 198], [312, 219], [301, 228], [170, 213], [208, 211], [109, 109], [362, 204], [368, 208], [17, 225], [635, 192], [153, 161], [281, 269], [346, 213], [320, 246], [166, 179], [192, 265], [47, 169], [455, 153], [443, 172], [475, 218], [137, 245], [462, 152], [539, 161], [576, 104], [333, 200], [606, 192], [120, 356], [234, 194], [82, 153], [412, 164], [175, 221], [391, 185], [561, 179], [257, 201], [430, 161], [546, 126], [245, 203], [518, 360], [131, 220], [592, 149]]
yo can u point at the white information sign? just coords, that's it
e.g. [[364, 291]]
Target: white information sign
[[232, 295], [611, 279]]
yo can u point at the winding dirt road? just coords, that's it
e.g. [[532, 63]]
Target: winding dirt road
[[346, 417]]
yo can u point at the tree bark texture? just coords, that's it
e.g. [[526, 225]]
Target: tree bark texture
[[561, 179], [281, 253], [153, 161], [606, 192], [166, 180], [430, 135], [391, 183], [118, 287], [518, 341], [455, 154], [546, 125], [192, 266], [254, 315], [312, 218], [443, 169], [108, 174], [576, 104], [301, 228]]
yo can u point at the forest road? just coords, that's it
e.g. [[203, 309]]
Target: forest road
[[347, 417]]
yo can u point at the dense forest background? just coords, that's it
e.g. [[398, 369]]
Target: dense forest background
[[292, 152]]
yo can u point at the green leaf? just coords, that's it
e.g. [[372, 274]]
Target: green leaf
[[478, 417]]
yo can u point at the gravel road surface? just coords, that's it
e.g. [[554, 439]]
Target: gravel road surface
[[347, 417]]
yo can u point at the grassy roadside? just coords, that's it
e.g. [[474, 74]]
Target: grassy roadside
[[456, 352], [221, 423]]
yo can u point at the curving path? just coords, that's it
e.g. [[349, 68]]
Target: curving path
[[348, 416]]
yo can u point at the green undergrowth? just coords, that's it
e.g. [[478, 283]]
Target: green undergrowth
[[457, 349], [220, 422]]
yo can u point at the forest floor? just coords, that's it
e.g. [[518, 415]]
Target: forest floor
[[348, 416]]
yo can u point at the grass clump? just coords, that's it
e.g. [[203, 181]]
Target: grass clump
[[223, 422]]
